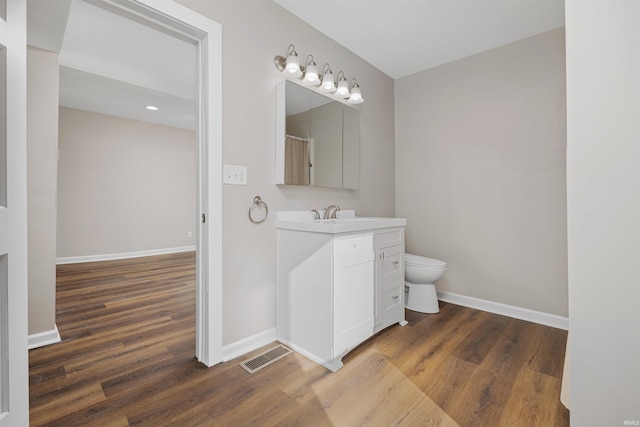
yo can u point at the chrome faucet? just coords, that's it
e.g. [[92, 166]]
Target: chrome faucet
[[316, 214], [330, 212]]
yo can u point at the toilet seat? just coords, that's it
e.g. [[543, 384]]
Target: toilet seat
[[423, 261]]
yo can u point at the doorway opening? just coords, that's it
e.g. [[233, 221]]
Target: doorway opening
[[205, 36]]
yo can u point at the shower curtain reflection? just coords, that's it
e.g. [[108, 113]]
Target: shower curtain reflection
[[296, 161]]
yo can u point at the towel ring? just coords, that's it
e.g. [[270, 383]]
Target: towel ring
[[258, 203]]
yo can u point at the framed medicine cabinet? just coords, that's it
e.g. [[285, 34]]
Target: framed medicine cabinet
[[317, 139]]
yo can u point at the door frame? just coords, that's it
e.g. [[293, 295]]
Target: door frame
[[206, 35], [14, 369]]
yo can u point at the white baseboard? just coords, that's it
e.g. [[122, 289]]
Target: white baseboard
[[330, 365], [547, 319], [229, 351], [44, 338], [238, 348], [124, 255]]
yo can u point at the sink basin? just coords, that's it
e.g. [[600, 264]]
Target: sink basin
[[343, 220], [339, 225]]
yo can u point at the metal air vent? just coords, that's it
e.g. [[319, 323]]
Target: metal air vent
[[265, 359]]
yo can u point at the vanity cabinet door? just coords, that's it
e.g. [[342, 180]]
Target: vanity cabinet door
[[352, 301], [393, 302], [389, 286]]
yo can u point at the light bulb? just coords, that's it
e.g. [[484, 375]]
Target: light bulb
[[292, 66], [328, 84], [356, 95], [311, 73], [343, 89]]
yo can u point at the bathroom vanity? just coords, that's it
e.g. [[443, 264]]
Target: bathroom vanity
[[339, 282]]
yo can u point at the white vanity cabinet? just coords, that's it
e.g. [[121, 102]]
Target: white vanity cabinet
[[389, 277], [325, 293], [335, 290]]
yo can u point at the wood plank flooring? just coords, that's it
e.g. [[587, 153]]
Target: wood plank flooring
[[127, 359]]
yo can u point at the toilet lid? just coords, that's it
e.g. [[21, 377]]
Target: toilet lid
[[416, 260]]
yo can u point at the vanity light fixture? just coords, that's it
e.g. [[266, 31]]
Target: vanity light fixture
[[356, 95], [289, 65], [343, 87], [311, 73], [328, 84], [308, 74]]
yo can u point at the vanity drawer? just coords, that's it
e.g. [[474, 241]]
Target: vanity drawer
[[352, 244], [393, 311], [388, 237], [393, 298], [388, 286]]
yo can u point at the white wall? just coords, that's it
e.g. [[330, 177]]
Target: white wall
[[480, 169], [124, 186], [603, 186], [253, 32], [42, 171]]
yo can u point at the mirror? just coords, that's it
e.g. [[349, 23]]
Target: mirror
[[317, 139]]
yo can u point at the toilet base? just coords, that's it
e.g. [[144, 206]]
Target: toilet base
[[421, 298]]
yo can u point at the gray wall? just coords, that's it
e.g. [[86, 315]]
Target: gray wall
[[42, 153], [124, 186], [603, 170], [480, 167]]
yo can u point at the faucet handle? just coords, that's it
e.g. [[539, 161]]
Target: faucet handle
[[316, 214]]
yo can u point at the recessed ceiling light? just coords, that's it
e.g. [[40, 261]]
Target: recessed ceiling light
[[152, 107]]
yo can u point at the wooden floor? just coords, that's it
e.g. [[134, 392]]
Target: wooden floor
[[127, 358]]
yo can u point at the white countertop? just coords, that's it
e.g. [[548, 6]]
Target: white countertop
[[345, 223]]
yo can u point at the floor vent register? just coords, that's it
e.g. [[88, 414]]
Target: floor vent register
[[265, 359]]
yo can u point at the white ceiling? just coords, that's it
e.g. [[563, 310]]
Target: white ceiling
[[112, 65], [402, 37]]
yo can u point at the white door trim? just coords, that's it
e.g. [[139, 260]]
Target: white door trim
[[206, 35], [14, 370]]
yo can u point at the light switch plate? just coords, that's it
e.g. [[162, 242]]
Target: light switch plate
[[233, 174]]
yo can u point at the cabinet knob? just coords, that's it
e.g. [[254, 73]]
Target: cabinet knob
[[395, 298], [396, 262]]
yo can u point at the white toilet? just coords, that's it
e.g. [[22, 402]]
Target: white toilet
[[421, 274]]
